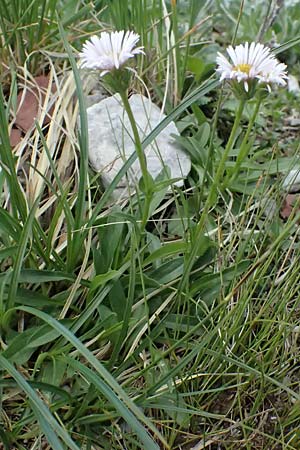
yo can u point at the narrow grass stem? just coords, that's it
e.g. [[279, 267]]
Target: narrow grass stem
[[211, 156], [136, 136], [244, 148], [130, 298], [210, 198], [176, 53], [230, 143], [141, 156]]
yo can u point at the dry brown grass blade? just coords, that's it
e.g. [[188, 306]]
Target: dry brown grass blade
[[33, 165]]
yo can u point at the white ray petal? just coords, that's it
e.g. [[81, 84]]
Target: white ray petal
[[109, 51], [252, 61]]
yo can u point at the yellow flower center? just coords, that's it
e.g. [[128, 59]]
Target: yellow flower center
[[245, 68]]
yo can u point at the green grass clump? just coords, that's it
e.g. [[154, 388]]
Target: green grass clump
[[179, 331]]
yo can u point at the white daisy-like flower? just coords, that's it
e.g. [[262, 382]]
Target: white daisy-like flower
[[251, 62], [110, 51]]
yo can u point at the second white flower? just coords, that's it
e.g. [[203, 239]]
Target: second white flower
[[251, 62]]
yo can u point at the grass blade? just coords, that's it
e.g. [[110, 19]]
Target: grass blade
[[289, 44], [20, 255], [105, 375], [75, 244], [109, 394], [48, 423]]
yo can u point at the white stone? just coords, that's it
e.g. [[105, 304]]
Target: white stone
[[111, 142], [291, 182], [293, 84]]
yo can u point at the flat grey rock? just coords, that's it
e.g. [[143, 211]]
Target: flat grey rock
[[291, 182], [94, 98], [293, 84], [111, 142]]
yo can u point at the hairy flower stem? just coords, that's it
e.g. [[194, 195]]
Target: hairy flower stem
[[210, 199], [141, 156], [244, 148]]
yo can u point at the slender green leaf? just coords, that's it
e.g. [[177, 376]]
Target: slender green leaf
[[120, 407], [48, 423], [75, 244], [285, 46], [105, 375], [25, 235], [165, 251]]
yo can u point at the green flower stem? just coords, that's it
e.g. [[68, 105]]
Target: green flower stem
[[210, 198], [137, 140], [230, 143], [141, 156], [244, 148]]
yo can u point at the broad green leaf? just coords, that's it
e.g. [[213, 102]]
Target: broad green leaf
[[165, 251], [203, 135], [110, 238], [203, 244], [41, 386], [179, 222], [153, 244], [43, 276], [7, 252], [8, 225], [53, 371], [103, 278], [24, 344], [199, 114], [36, 299], [198, 67], [181, 324], [117, 299], [209, 286], [167, 272], [5, 439]]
